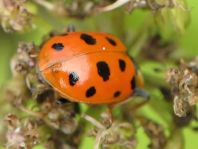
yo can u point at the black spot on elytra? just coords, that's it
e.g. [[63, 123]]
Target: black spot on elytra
[[73, 78], [62, 101], [58, 46], [111, 41], [133, 83], [91, 91], [88, 39], [103, 70], [122, 64], [116, 94]]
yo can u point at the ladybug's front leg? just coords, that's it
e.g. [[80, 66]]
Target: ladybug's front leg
[[139, 83], [139, 92]]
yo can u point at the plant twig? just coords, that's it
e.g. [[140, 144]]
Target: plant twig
[[45, 4], [93, 121]]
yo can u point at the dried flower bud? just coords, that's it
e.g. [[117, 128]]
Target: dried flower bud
[[78, 9], [13, 15], [60, 117], [12, 121], [193, 65], [184, 86], [68, 126], [25, 59], [155, 132], [118, 134], [23, 134], [181, 107]]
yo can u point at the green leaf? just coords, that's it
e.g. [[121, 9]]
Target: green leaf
[[173, 20]]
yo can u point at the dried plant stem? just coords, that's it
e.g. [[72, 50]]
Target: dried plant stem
[[97, 144], [115, 5], [38, 115], [45, 4], [93, 121]]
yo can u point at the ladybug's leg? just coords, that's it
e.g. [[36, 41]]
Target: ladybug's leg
[[63, 101], [139, 83], [107, 119], [141, 93], [138, 92], [110, 113]]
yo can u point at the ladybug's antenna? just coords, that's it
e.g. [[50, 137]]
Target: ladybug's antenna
[[71, 28]]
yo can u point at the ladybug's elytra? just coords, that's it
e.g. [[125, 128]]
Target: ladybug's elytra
[[88, 67]]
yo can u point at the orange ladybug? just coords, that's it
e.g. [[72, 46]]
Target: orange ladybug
[[89, 67]]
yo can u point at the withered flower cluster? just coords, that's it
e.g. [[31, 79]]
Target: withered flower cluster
[[46, 110], [156, 133], [119, 134], [14, 16], [21, 134], [184, 85]]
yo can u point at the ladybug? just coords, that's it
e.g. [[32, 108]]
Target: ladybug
[[89, 67]]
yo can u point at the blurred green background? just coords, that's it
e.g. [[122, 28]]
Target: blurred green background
[[44, 23]]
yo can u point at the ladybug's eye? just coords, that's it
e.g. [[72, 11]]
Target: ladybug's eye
[[58, 46]]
